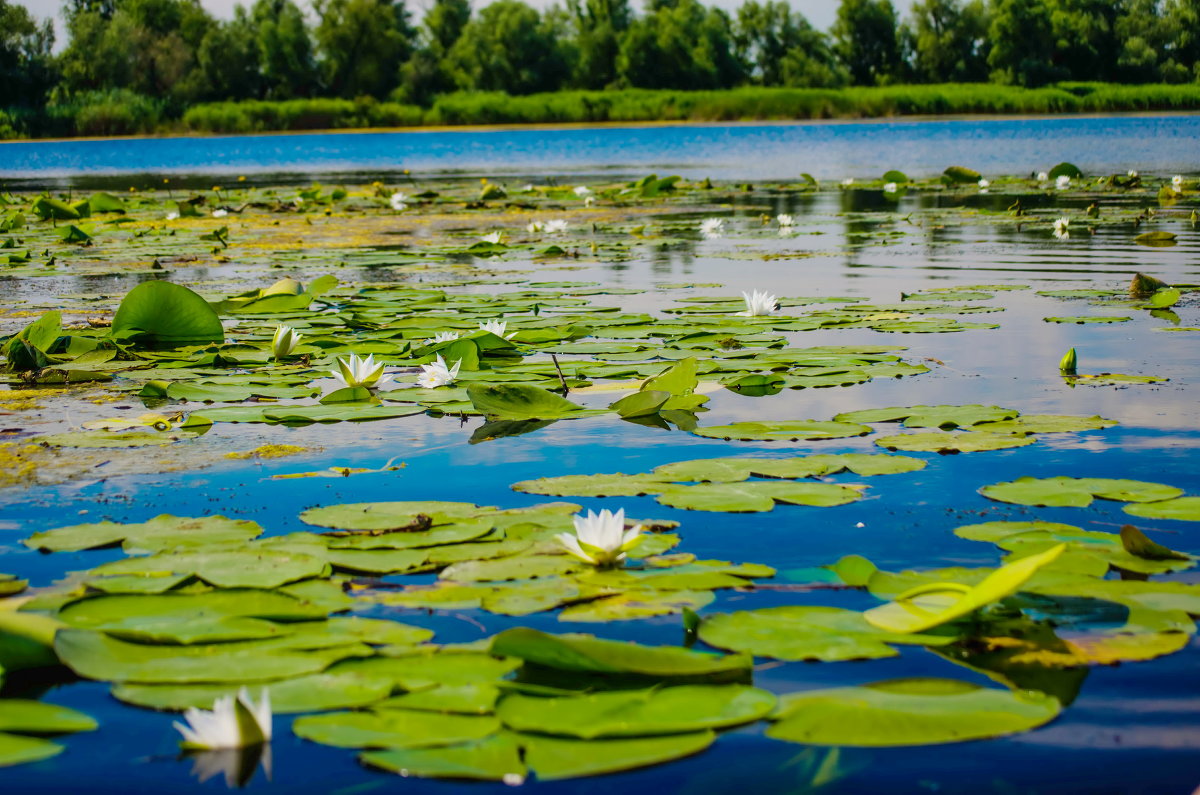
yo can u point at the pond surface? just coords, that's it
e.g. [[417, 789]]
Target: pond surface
[[1128, 727], [738, 151]]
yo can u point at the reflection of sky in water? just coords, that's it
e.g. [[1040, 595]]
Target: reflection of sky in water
[[1129, 714]]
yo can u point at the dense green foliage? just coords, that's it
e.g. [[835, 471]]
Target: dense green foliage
[[146, 65]]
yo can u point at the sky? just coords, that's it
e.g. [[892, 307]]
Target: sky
[[819, 12]]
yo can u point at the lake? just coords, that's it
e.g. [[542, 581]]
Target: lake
[[968, 291]]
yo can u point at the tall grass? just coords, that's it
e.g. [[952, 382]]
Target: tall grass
[[299, 114]]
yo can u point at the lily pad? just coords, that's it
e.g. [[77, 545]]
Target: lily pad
[[394, 728], [785, 431], [931, 416], [755, 496], [964, 442], [312, 693], [555, 758], [1077, 492], [36, 717], [495, 758], [18, 750], [1185, 509], [162, 532]]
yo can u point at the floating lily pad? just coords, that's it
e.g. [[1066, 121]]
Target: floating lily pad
[[636, 604], [1045, 423], [1185, 509], [110, 440], [755, 496], [931, 416], [495, 758], [785, 431], [36, 717], [162, 532], [614, 485], [964, 442], [312, 693], [1077, 492], [18, 750], [903, 712], [1080, 320], [555, 758], [393, 728], [387, 516]]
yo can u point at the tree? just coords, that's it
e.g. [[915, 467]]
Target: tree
[[1182, 31], [26, 67], [362, 45], [777, 47], [1022, 44], [598, 27], [427, 72], [679, 44], [285, 50], [867, 41], [1085, 46], [508, 47], [949, 41], [228, 59]]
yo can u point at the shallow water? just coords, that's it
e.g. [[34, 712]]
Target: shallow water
[[735, 151], [1133, 728]]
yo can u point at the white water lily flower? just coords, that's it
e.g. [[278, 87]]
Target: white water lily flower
[[219, 213], [847, 182], [1177, 182], [983, 185], [1063, 182], [285, 340], [442, 336], [172, 216], [360, 372], [759, 304], [711, 228], [589, 201], [1131, 173], [528, 188], [583, 191], [601, 538], [555, 227], [891, 187], [786, 220], [495, 238], [1061, 230], [232, 723], [534, 227], [438, 374], [497, 327], [398, 201], [1042, 176]]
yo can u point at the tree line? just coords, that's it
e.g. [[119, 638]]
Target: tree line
[[172, 54]]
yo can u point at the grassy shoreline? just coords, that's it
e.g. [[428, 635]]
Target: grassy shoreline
[[640, 106]]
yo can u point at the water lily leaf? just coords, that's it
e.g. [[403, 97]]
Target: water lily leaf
[[387, 516], [346, 412], [1045, 423], [515, 568], [641, 404], [110, 440], [1156, 238], [614, 485], [726, 470], [474, 699], [1076, 492], [1065, 169], [755, 496], [554, 758], [1082, 319], [961, 175], [377, 561], [161, 313], [588, 654], [426, 670], [36, 717], [495, 758], [394, 728], [634, 604], [312, 693], [162, 532], [902, 712], [1185, 509], [931, 416], [925, 607], [96, 656], [246, 567], [17, 750], [679, 379], [531, 596], [789, 431], [963, 442], [829, 634], [522, 402], [637, 713]]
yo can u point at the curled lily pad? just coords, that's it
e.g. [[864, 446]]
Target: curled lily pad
[[637, 713], [909, 712]]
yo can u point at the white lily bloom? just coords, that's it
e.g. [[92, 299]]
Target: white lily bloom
[[983, 185], [438, 374], [1063, 182], [497, 327], [442, 336], [891, 187], [1042, 176], [398, 201], [495, 238], [1177, 182], [759, 304], [172, 216], [534, 227], [847, 182], [1061, 230], [232, 723], [360, 372], [583, 191], [219, 213], [555, 227], [589, 201], [528, 187], [1131, 173], [285, 340], [785, 219], [600, 539], [711, 228]]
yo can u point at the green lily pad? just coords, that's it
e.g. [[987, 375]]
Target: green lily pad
[[902, 712], [637, 713], [1087, 319], [162, 532], [311, 693], [1077, 492], [17, 750], [245, 567], [1045, 423], [472, 699], [394, 728], [495, 758], [755, 496], [425, 670], [161, 313], [931, 416], [963, 442], [829, 634], [786, 431], [635, 604], [522, 402], [37, 717], [387, 516], [1186, 509], [555, 758], [111, 440], [614, 485]]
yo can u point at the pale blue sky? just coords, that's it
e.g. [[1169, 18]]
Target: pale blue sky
[[819, 12]]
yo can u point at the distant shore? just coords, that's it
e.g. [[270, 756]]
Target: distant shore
[[637, 106]]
